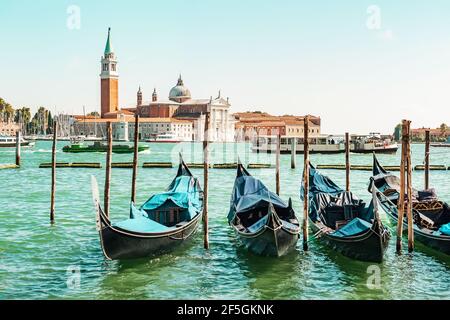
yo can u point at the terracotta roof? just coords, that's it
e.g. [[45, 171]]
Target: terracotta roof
[[141, 120]]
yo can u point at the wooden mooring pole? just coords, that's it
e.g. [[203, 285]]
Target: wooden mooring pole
[[108, 168], [401, 199], [409, 189], [18, 138], [205, 181], [135, 157], [52, 196], [277, 170], [306, 182], [347, 161], [294, 153], [427, 159]]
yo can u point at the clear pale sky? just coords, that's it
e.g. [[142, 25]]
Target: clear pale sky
[[283, 57]]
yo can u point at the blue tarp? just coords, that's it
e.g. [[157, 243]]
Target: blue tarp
[[250, 193], [184, 191], [329, 204], [354, 227], [445, 229]]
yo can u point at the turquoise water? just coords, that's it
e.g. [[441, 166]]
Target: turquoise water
[[65, 261]]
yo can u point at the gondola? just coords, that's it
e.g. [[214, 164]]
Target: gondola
[[163, 222], [265, 224], [431, 216], [343, 221]]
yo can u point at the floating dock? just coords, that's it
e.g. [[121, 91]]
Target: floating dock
[[92, 165], [369, 168], [9, 166], [157, 165]]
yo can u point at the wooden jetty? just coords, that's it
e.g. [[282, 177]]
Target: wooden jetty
[[93, 165], [369, 168]]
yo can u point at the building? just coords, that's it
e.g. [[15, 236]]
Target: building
[[180, 105], [109, 80], [437, 134], [251, 124], [8, 128], [179, 116], [123, 128]]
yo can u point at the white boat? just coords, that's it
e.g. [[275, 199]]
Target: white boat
[[10, 142], [165, 138], [372, 143], [326, 144], [317, 144]]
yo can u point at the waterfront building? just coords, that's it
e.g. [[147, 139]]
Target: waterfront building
[[8, 128], [437, 134], [180, 105], [180, 115], [123, 128], [251, 124]]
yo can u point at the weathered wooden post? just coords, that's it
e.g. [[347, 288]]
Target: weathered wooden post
[[52, 197], [306, 182], [347, 162], [135, 157], [427, 159], [401, 199], [108, 168], [294, 153], [409, 189], [205, 181], [277, 170], [18, 138]]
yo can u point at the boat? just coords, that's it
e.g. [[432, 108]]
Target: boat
[[431, 216], [164, 222], [441, 145], [265, 224], [344, 222], [324, 144], [10, 142], [78, 146], [372, 143], [165, 138]]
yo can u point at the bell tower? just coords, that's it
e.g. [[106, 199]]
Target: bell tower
[[139, 97], [109, 80]]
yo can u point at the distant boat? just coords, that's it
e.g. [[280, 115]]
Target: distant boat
[[165, 138], [343, 221], [161, 224], [441, 145], [431, 216], [325, 144], [10, 142], [264, 223], [78, 146]]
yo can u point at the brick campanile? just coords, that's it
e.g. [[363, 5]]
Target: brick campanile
[[109, 80]]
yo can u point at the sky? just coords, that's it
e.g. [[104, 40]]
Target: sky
[[362, 66]]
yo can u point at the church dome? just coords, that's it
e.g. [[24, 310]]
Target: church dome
[[179, 91]]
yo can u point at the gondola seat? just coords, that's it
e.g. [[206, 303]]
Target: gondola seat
[[353, 228]]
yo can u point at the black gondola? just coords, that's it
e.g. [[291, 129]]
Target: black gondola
[[264, 223], [162, 223], [343, 221], [431, 216]]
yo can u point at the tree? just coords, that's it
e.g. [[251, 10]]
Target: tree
[[6, 111], [443, 128], [23, 117], [94, 114], [398, 132]]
